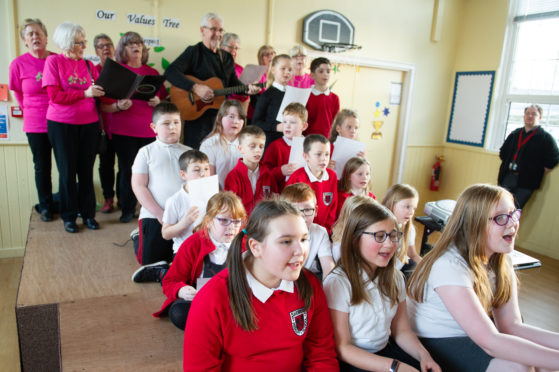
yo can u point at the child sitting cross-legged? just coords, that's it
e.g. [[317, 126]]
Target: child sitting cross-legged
[[250, 180], [202, 255], [319, 260]]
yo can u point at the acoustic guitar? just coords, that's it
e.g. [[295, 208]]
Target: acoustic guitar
[[191, 106]]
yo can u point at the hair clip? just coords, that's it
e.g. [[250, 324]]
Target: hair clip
[[244, 231]]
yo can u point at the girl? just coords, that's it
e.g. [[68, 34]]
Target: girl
[[355, 180], [366, 296], [300, 78], [463, 295], [268, 105], [338, 228], [402, 200], [345, 125], [202, 255], [222, 144], [262, 313]]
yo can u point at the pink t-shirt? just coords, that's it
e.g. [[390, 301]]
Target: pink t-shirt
[[73, 77], [135, 121], [304, 81], [26, 74]]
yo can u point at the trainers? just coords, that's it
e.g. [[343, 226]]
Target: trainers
[[151, 273], [108, 207], [135, 233]]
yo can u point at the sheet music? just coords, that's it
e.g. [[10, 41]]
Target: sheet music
[[291, 95], [345, 149], [252, 74], [200, 191]]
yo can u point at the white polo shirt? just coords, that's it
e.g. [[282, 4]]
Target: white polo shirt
[[319, 246], [223, 155]]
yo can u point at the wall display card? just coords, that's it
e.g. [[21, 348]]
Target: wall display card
[[140, 19], [106, 15], [345, 149], [4, 122], [151, 41], [200, 191], [119, 82], [4, 92], [171, 23], [252, 74], [291, 95]]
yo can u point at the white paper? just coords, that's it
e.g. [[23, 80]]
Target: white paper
[[345, 149], [200, 282], [200, 191], [252, 73], [291, 95], [296, 153]]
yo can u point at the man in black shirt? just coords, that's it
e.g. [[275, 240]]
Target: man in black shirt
[[527, 154], [203, 61]]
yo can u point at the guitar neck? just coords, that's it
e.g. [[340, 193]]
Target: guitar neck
[[239, 89]]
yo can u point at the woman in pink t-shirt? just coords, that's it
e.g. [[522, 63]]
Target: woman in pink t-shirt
[[300, 79], [26, 73], [73, 124], [131, 119]]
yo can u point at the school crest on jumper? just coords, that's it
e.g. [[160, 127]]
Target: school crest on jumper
[[299, 321], [266, 192], [327, 198]]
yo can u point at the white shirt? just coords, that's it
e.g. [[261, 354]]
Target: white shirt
[[160, 161], [263, 293], [319, 246], [313, 178], [219, 255], [317, 92], [224, 155], [253, 177], [336, 251], [176, 207], [369, 322], [278, 86]]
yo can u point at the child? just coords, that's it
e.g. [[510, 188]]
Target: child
[[268, 104], [463, 297], [155, 177], [323, 105], [323, 181], [202, 255], [300, 78], [355, 180], [179, 214], [401, 200], [338, 228], [262, 313], [345, 125], [319, 261], [366, 296], [250, 180], [276, 156], [222, 144]]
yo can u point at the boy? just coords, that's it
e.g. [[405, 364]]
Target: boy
[[323, 105], [323, 181], [277, 154], [155, 177], [319, 260], [250, 180]]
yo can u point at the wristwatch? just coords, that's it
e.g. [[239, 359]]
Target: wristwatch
[[394, 366]]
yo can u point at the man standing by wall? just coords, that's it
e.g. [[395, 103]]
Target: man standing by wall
[[527, 154]]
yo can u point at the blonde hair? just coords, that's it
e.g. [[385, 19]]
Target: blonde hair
[[354, 264], [263, 50], [296, 109], [275, 61], [225, 106], [395, 194], [220, 202], [344, 184], [467, 230], [339, 120], [350, 204], [29, 22]]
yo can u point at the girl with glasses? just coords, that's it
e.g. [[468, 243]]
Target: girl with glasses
[[463, 298], [202, 255], [366, 296]]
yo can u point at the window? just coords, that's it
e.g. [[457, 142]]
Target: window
[[529, 72]]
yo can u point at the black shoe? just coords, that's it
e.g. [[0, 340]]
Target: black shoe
[[151, 273], [91, 223], [126, 217], [71, 227]]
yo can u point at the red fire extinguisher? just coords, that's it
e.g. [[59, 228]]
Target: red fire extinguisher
[[436, 173]]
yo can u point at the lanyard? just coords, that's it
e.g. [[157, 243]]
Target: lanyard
[[522, 143]]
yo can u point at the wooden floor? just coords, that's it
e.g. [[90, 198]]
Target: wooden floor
[[539, 301]]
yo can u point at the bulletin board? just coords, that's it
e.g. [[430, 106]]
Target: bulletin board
[[470, 107]]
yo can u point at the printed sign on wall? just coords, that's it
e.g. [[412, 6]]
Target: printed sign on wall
[[106, 15], [171, 22]]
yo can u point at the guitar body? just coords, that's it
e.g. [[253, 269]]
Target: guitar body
[[192, 106]]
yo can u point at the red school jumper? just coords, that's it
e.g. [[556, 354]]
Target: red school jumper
[[237, 181], [342, 196], [186, 268], [322, 109], [326, 192], [277, 155], [288, 338]]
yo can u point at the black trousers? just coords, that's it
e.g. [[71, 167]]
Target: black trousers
[[107, 171], [392, 350], [126, 148], [521, 194], [42, 163], [75, 147], [152, 247], [196, 130]]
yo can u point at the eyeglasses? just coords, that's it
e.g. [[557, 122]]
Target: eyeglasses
[[503, 219], [80, 43], [103, 46], [299, 56], [131, 43], [381, 236], [269, 54], [227, 221], [214, 29], [307, 211], [232, 47]]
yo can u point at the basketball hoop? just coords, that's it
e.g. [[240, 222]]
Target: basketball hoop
[[339, 47]]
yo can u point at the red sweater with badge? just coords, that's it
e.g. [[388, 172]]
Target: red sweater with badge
[[326, 196], [277, 155], [322, 110], [214, 342], [342, 196], [237, 181], [186, 268]]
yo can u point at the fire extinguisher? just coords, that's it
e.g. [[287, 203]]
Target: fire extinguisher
[[436, 173]]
